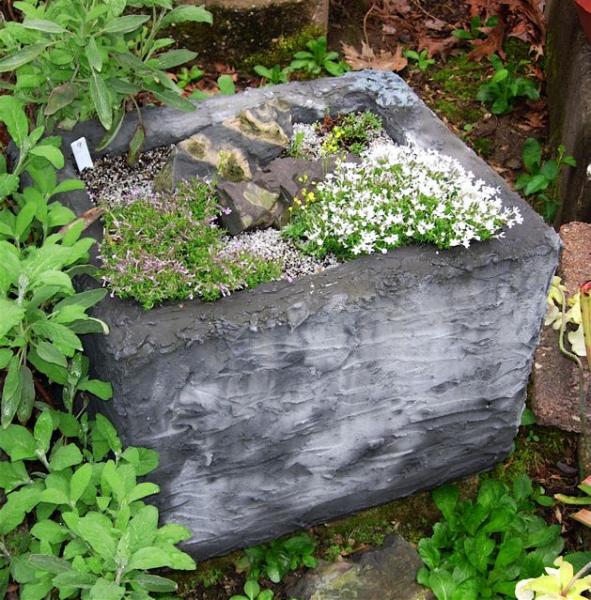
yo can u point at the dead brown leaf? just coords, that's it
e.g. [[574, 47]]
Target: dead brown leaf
[[492, 44], [437, 46], [87, 218], [368, 59]]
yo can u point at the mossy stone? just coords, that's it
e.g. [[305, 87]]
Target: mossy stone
[[243, 27]]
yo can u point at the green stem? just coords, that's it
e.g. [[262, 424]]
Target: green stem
[[577, 576]]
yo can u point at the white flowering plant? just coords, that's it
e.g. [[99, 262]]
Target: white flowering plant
[[397, 195]]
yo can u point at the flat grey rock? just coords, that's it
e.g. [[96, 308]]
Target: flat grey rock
[[387, 573], [298, 402]]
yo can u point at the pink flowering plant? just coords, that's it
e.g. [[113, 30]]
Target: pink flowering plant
[[398, 195]]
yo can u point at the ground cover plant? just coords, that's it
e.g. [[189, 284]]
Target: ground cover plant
[[395, 196], [73, 518]]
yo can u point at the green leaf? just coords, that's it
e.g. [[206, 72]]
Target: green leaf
[[143, 460], [43, 25], [509, 551], [106, 590], [172, 533], [49, 353], [60, 335], [106, 430], [182, 14], [154, 583], [532, 155], [446, 499], [550, 170], [142, 490], [64, 457], [226, 85], [25, 407], [478, 550], [252, 589], [173, 58], [136, 144], [49, 531], [95, 60], [50, 153], [68, 185], [80, 481], [442, 584], [23, 219], [125, 24], [18, 443], [8, 185], [150, 557], [13, 475], [74, 579], [13, 116], [12, 315], [536, 184], [22, 57], [61, 96], [43, 431], [97, 536], [102, 100], [12, 392], [5, 356], [51, 564], [429, 553]]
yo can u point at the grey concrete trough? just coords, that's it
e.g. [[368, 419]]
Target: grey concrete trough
[[295, 403]]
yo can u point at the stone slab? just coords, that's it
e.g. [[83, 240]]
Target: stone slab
[[386, 573], [298, 402], [568, 74], [244, 27], [555, 390]]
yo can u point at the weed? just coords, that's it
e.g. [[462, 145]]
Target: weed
[[421, 59]]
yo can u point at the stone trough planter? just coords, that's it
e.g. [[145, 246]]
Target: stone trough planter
[[295, 403]]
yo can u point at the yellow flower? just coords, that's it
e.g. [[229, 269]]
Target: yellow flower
[[556, 585]]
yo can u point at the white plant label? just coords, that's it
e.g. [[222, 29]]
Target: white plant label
[[82, 154]]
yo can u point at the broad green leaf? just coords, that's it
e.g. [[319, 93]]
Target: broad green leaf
[[44, 26], [429, 553], [64, 457], [95, 60], [5, 356], [12, 393], [154, 583], [136, 144], [49, 531], [80, 481], [112, 479], [532, 155], [68, 185], [22, 57], [61, 96], [98, 536], [143, 460], [442, 584], [104, 427], [74, 579], [43, 431], [143, 528], [8, 185], [106, 590], [51, 564], [149, 557], [226, 85], [102, 100], [12, 475], [536, 184], [60, 335], [125, 24], [23, 219], [49, 353], [51, 153], [12, 315], [13, 116], [183, 14], [142, 490], [25, 407], [509, 551], [85, 299], [101, 389], [54, 496], [446, 499], [252, 589], [18, 443], [173, 58]]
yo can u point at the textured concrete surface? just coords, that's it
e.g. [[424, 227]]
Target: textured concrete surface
[[568, 70], [294, 403], [387, 573]]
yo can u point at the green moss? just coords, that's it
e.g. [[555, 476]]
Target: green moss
[[461, 77], [484, 146], [282, 51], [196, 148], [458, 112], [534, 446], [229, 167]]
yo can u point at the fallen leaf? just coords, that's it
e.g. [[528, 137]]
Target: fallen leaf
[[436, 24], [368, 59], [88, 218], [492, 44], [401, 7], [437, 46]]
